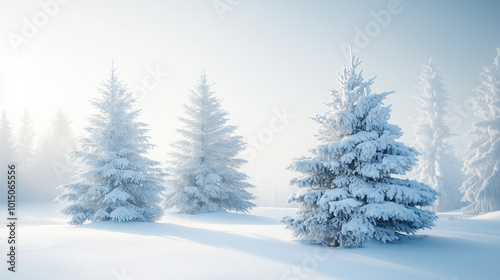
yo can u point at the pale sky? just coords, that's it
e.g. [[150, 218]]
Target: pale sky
[[262, 56]]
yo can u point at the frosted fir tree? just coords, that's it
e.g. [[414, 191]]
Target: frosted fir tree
[[7, 155], [482, 160], [118, 182], [349, 191], [437, 165], [204, 166]]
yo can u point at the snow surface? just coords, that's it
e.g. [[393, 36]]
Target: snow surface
[[224, 245]]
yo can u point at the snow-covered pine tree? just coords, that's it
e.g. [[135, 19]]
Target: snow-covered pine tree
[[118, 182], [348, 193], [7, 155], [437, 165], [482, 160], [203, 169]]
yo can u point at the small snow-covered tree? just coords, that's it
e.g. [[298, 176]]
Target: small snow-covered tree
[[482, 160], [203, 169], [348, 191], [7, 155], [437, 166], [118, 182]]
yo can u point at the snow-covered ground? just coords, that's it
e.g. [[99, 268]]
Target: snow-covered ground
[[237, 246]]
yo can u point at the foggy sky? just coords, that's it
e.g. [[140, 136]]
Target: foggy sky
[[267, 59]]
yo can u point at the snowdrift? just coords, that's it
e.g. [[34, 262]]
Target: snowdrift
[[226, 245]]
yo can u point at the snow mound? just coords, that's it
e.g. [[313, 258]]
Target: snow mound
[[492, 216], [233, 246]]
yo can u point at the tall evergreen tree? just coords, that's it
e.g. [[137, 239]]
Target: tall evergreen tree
[[25, 156], [24, 142], [348, 193], [204, 175], [61, 142], [6, 141], [53, 165], [437, 166], [118, 181], [7, 155], [482, 160]]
